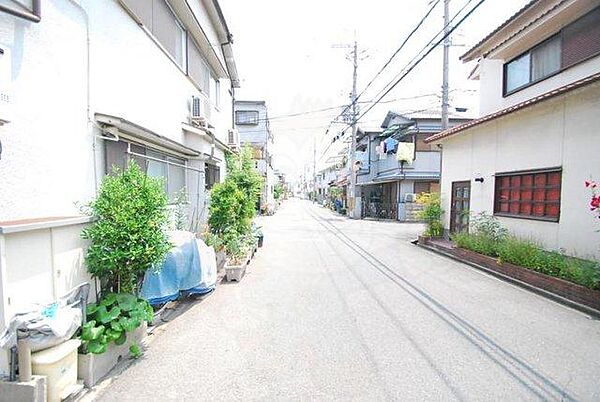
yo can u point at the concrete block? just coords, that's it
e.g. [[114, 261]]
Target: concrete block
[[30, 391]]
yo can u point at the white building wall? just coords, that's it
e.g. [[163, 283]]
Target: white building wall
[[558, 132], [48, 156], [491, 81], [47, 159]]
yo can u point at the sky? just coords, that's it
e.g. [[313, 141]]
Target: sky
[[294, 55]]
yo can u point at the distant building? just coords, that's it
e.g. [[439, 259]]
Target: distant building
[[252, 123], [526, 159], [388, 184]]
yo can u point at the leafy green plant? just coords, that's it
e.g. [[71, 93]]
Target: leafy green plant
[[128, 235], [135, 351], [110, 320], [278, 191], [432, 214], [528, 254], [180, 215], [488, 226], [233, 205]]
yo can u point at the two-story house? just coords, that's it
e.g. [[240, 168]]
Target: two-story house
[[87, 85], [252, 123], [527, 158], [387, 184]]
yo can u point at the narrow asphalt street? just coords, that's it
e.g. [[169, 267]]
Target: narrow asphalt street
[[339, 309]]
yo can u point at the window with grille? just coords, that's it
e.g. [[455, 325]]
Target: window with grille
[[246, 117], [532, 194], [212, 175]]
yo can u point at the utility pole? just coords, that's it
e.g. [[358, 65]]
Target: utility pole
[[445, 102], [315, 166], [354, 128]]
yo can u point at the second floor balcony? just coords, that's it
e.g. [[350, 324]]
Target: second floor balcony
[[425, 165]]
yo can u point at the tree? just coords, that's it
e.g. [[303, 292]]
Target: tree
[[128, 235]]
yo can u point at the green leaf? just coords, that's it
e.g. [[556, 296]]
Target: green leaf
[[129, 324], [106, 316], [135, 351], [90, 332], [121, 339], [115, 326], [126, 301], [91, 308], [113, 335], [96, 347], [109, 300]]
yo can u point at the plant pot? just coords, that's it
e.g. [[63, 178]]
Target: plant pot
[[91, 367], [235, 272]]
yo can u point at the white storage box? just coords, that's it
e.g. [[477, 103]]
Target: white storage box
[[59, 365]]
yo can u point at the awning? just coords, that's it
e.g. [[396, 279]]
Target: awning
[[124, 128], [207, 133]]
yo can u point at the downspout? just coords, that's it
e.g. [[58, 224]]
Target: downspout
[[88, 89], [34, 16]]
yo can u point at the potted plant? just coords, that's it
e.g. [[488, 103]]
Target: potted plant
[[237, 261], [115, 325], [127, 238], [432, 216]]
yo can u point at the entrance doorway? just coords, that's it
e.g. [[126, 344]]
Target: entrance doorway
[[460, 206]]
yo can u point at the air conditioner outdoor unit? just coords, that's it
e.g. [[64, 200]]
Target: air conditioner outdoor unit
[[410, 197], [197, 112]]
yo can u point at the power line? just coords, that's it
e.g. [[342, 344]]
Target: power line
[[407, 71], [400, 48]]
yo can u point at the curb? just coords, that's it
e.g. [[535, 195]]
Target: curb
[[541, 292]]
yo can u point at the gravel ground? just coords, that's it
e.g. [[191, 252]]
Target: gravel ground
[[338, 309]]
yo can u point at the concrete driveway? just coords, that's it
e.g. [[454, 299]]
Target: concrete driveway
[[337, 309]]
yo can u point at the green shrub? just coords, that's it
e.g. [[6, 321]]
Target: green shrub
[[488, 226], [432, 214], [476, 242], [111, 319], [233, 204], [128, 235], [520, 252]]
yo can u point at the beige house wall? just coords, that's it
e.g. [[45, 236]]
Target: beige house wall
[[560, 132]]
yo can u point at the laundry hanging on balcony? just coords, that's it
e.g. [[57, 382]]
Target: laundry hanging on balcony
[[391, 145], [406, 152]]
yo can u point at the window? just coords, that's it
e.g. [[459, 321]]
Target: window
[[538, 63], [246, 117], [533, 194], [215, 91], [581, 39], [575, 43], [212, 175], [158, 17], [153, 163], [198, 68]]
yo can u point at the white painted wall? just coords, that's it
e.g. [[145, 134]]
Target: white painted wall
[[47, 160], [558, 132], [37, 266], [491, 79]]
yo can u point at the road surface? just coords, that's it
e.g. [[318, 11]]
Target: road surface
[[340, 309]]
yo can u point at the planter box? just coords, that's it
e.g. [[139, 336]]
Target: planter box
[[236, 272], [91, 367], [557, 286]]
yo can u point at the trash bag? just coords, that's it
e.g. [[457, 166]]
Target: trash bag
[[45, 326]]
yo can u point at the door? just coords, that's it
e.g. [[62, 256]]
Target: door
[[459, 212]]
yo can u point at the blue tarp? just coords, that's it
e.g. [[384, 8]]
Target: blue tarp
[[181, 273]]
